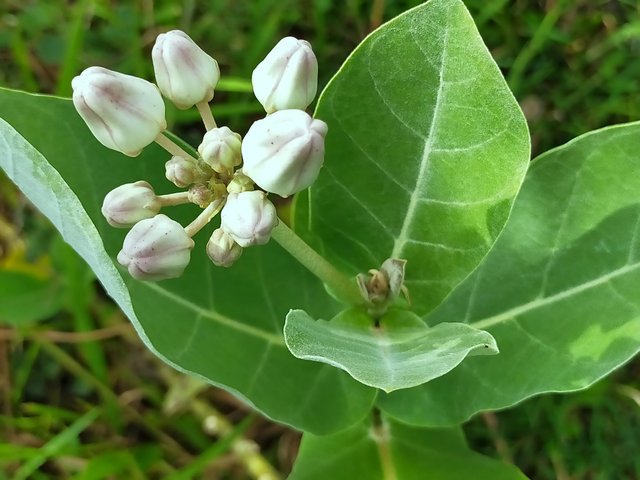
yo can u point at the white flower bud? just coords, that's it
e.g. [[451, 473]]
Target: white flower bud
[[183, 172], [128, 204], [155, 249], [185, 74], [283, 152], [123, 112], [221, 149], [240, 183], [249, 218], [287, 77], [222, 249]]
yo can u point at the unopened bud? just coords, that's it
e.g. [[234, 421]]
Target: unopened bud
[[183, 172], [123, 112], [129, 203], [240, 183], [221, 149], [185, 74], [287, 77], [283, 152], [156, 249], [222, 249], [201, 195], [249, 218]]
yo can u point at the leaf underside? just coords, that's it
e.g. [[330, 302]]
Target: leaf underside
[[401, 352]]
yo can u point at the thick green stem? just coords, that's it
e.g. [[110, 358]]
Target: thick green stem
[[339, 284], [382, 438]]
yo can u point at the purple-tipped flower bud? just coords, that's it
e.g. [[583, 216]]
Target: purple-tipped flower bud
[[185, 74], [124, 113], [287, 77], [222, 249], [127, 204], [249, 218], [283, 152], [221, 149], [156, 249], [183, 172]]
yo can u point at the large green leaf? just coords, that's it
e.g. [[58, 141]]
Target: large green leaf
[[560, 291], [425, 152], [400, 352], [222, 325], [395, 451]]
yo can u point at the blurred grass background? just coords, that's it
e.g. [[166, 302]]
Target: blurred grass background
[[81, 398]]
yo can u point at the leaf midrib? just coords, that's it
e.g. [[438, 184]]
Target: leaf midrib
[[402, 237], [218, 317], [544, 301]]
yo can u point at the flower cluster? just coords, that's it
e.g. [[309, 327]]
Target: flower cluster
[[281, 153]]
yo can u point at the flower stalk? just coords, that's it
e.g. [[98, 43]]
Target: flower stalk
[[207, 116], [339, 284], [172, 147], [205, 217], [171, 199]]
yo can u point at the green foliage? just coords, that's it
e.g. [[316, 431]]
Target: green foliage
[[586, 438], [426, 151], [392, 450], [26, 298], [559, 289], [401, 351], [200, 323]]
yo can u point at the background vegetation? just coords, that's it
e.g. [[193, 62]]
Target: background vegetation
[[80, 397]]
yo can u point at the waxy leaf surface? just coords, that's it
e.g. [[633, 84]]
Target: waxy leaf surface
[[560, 291], [396, 451], [223, 325], [401, 352], [425, 152]]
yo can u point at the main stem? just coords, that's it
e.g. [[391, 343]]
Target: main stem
[[382, 437], [339, 284]]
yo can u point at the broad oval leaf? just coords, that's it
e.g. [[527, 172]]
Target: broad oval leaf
[[401, 352], [425, 152], [559, 291], [224, 326], [395, 451]]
